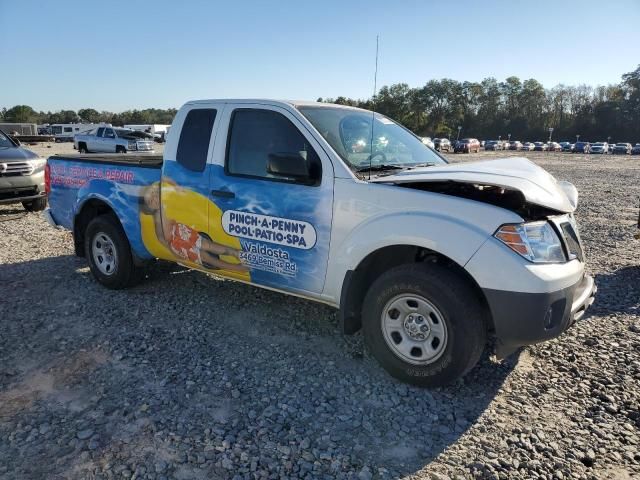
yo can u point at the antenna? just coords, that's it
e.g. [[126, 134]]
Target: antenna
[[373, 109]]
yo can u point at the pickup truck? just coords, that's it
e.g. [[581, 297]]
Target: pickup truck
[[345, 207], [107, 139]]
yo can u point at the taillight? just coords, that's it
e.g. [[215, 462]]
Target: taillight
[[47, 179]]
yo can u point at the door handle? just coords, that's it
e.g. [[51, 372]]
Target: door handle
[[223, 194]]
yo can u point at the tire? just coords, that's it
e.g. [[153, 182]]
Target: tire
[[36, 205], [109, 255], [82, 148], [456, 319], [120, 149]]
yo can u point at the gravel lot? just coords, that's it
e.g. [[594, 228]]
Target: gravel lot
[[188, 376]]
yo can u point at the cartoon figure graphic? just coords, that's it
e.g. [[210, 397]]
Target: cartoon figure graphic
[[182, 240]]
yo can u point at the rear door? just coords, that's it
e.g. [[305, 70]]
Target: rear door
[[279, 227], [180, 230]]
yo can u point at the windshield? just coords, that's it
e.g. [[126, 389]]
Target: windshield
[[121, 132], [4, 141], [348, 131], [621, 144], [599, 144]]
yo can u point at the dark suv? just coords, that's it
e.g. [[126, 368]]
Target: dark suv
[[622, 148], [581, 147], [493, 145]]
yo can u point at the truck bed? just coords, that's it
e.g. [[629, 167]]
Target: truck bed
[[138, 160]]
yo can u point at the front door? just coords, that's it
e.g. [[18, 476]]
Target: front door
[[280, 226]]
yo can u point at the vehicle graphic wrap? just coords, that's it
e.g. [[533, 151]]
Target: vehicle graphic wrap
[[269, 233], [119, 186], [278, 232]]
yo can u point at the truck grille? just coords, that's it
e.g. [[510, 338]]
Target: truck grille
[[15, 168], [572, 241]]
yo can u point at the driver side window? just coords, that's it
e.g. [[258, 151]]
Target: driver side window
[[256, 135]]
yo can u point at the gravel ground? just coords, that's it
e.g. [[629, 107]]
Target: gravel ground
[[188, 376]]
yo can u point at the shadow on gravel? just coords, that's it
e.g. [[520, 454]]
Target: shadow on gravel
[[9, 214], [618, 292], [204, 378]]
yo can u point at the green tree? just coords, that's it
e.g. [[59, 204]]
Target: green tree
[[21, 114], [89, 115]]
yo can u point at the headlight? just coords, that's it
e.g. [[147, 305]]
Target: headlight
[[38, 163], [535, 241]]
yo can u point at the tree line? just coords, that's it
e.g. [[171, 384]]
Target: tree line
[[26, 114], [524, 109], [486, 109]]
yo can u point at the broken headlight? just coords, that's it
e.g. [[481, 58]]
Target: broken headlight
[[538, 242]]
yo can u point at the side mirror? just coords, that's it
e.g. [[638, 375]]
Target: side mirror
[[292, 165]]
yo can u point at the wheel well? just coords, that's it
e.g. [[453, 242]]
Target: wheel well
[[90, 210], [357, 282]]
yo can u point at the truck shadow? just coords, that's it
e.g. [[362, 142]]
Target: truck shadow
[[618, 292], [221, 365]]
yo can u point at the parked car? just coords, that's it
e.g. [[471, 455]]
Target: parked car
[[554, 147], [21, 175], [113, 140], [636, 149], [528, 146], [622, 148], [515, 145], [442, 144], [493, 145], [467, 145], [566, 146], [411, 262], [428, 142], [599, 147], [540, 146], [580, 147]]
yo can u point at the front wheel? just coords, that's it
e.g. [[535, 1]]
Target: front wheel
[[120, 149], [109, 254], [424, 324]]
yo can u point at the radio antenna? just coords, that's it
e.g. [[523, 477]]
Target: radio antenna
[[373, 108]]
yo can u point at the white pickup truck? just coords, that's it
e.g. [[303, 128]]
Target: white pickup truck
[[345, 207], [107, 139]]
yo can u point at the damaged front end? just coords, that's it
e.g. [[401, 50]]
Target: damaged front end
[[513, 200]]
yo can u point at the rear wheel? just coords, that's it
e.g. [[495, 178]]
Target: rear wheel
[[36, 205], [109, 254], [424, 325]]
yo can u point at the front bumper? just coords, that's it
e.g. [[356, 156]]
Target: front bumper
[[20, 188], [527, 318]]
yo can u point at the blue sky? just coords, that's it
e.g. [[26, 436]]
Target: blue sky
[[119, 55]]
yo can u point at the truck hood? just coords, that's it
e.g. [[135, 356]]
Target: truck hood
[[537, 185], [16, 154]]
